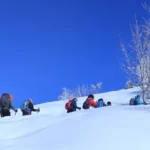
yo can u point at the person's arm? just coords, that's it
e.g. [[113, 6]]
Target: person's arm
[[75, 105], [11, 105], [31, 107], [93, 103], [104, 104], [140, 102], [78, 107]]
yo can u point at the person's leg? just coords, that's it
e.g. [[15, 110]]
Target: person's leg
[[2, 113], [8, 113], [5, 112], [87, 108], [24, 113], [71, 110]]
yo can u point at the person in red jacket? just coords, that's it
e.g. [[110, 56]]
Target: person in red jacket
[[89, 102], [92, 103]]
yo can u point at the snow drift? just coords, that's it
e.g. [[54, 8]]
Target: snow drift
[[117, 127]]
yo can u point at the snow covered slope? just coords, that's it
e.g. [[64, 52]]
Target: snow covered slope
[[119, 127]]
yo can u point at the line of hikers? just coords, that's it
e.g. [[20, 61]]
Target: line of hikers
[[6, 104], [135, 101], [27, 106], [71, 105]]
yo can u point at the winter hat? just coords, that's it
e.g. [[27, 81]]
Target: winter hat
[[100, 99], [91, 96], [11, 96], [30, 100], [74, 99]]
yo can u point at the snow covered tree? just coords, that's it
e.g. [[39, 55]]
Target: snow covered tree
[[146, 7], [137, 56], [80, 91], [96, 88], [66, 94], [129, 84], [84, 90]]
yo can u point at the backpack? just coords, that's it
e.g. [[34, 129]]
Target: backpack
[[108, 103], [24, 105], [68, 105], [100, 103], [4, 100], [85, 105], [132, 101]]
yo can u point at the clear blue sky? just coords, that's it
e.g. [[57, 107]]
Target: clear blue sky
[[46, 45]]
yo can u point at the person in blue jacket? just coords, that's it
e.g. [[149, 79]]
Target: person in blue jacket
[[100, 103], [137, 100], [73, 106]]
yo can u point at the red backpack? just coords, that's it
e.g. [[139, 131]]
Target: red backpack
[[68, 104]]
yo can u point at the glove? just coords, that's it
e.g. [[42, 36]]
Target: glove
[[79, 108], [16, 110]]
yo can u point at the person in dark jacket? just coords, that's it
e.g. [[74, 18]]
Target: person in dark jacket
[[27, 107], [6, 106], [31, 106], [73, 106]]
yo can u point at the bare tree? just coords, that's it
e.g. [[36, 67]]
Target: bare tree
[[137, 56]]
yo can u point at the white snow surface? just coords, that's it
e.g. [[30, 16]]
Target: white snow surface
[[117, 127]]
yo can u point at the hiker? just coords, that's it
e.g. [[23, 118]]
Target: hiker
[[6, 104], [27, 107], [100, 103], [137, 100], [89, 102], [31, 106], [71, 106], [132, 101]]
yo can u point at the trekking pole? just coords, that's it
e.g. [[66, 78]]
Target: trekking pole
[[16, 112]]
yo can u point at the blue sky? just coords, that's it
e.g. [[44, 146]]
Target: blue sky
[[47, 45]]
